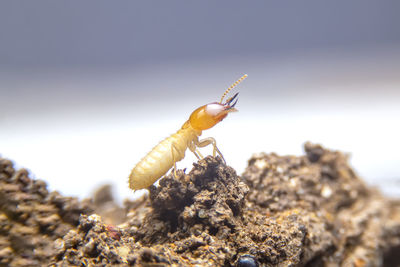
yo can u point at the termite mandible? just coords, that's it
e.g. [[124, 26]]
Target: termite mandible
[[172, 149]]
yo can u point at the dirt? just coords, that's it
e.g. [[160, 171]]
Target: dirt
[[32, 219], [310, 210]]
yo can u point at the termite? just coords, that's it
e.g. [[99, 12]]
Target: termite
[[172, 149]]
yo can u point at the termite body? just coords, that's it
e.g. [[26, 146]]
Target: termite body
[[172, 149]]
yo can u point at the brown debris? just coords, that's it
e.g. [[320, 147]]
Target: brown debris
[[105, 206], [31, 218], [209, 199], [311, 210]]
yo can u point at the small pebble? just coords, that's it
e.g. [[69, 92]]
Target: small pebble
[[247, 261]]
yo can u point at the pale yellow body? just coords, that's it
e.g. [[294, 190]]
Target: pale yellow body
[[162, 157]]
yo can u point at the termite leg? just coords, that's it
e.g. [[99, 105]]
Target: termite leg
[[173, 151], [196, 152], [207, 141], [200, 155]]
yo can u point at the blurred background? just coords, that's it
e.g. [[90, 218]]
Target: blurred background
[[88, 88]]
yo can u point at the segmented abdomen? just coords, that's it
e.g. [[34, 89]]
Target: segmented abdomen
[[158, 161]]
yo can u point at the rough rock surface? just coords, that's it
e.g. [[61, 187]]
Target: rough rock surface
[[310, 210], [31, 218]]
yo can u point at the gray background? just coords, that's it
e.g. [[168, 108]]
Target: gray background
[[132, 33]]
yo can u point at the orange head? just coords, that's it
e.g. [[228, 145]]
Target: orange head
[[208, 115]]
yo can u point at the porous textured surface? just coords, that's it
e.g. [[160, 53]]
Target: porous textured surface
[[31, 218], [310, 210]]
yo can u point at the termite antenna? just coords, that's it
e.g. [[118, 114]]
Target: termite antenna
[[233, 86]]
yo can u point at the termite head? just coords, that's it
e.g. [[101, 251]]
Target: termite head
[[208, 115]]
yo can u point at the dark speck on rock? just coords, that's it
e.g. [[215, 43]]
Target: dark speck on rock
[[247, 261]]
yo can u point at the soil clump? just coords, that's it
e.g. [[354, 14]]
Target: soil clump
[[310, 210]]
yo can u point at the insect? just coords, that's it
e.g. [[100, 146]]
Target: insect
[[172, 149]]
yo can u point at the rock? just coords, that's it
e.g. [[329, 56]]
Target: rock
[[30, 222], [311, 210]]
